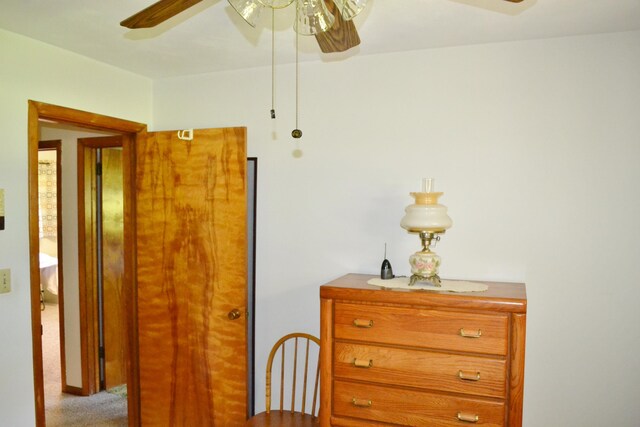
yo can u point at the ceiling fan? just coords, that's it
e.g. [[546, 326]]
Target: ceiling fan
[[339, 36]]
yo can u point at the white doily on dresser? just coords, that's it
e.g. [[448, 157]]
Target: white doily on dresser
[[447, 285]]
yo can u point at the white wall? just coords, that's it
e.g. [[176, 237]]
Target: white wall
[[536, 147], [32, 70]]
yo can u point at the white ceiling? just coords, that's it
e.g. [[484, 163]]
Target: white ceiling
[[212, 37]]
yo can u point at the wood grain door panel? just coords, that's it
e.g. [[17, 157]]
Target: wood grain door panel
[[114, 304], [191, 272]]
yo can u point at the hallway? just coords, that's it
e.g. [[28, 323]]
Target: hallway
[[103, 409]]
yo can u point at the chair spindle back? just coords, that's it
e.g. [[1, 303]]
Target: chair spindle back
[[300, 342]]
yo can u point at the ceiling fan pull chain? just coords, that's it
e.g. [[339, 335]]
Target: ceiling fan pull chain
[[297, 133], [273, 63]]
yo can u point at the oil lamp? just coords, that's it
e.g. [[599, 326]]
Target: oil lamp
[[429, 219]]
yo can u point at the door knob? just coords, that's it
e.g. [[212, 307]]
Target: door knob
[[234, 314]]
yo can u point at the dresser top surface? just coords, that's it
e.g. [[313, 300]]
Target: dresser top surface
[[500, 296]]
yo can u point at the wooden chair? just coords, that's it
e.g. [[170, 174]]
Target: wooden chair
[[293, 349]]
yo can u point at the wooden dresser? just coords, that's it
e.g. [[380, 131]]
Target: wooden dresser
[[421, 358]]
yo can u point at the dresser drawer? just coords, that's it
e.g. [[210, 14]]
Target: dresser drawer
[[413, 408], [416, 327], [480, 376]]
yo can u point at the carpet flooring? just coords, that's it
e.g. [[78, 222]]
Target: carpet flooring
[[66, 410]]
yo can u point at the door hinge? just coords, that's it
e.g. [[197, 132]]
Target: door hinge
[[99, 168], [101, 352]]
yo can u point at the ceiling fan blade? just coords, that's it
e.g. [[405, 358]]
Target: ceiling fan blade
[[342, 36], [157, 13]]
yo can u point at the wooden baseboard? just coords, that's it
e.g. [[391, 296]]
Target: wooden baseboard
[[73, 390]]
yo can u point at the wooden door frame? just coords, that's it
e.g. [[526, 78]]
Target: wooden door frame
[[132, 132], [56, 145]]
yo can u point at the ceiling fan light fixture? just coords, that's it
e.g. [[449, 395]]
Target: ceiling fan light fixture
[[350, 8], [248, 9], [312, 17]]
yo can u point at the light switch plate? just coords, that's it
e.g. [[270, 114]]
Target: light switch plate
[[5, 281]]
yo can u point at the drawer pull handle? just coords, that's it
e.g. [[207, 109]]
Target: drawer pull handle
[[476, 334], [468, 418], [469, 376], [361, 323], [361, 403], [363, 363]]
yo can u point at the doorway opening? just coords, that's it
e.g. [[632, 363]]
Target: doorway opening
[[130, 131], [51, 266]]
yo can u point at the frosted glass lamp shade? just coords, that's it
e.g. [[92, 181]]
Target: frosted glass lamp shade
[[350, 8], [426, 214], [248, 9], [312, 17]]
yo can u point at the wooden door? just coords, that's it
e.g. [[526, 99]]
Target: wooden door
[[191, 274], [114, 314], [101, 253]]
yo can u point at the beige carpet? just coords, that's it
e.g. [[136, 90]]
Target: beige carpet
[[66, 410]]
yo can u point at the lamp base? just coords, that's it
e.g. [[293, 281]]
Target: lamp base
[[424, 267], [434, 279]]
